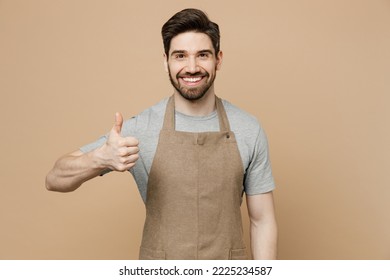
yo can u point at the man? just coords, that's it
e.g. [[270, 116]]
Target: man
[[192, 155]]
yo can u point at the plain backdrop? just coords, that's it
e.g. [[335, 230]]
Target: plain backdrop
[[315, 73]]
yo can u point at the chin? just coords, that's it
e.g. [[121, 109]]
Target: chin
[[192, 96]]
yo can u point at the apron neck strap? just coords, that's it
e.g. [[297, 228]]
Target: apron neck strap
[[169, 118]]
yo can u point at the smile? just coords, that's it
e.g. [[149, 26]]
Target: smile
[[192, 80]]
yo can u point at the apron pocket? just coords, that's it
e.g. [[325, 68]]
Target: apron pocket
[[238, 254], [149, 254]]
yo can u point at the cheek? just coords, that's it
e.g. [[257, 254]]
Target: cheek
[[212, 70], [210, 67], [174, 70]]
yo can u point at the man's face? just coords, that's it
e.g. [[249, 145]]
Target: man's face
[[192, 64]]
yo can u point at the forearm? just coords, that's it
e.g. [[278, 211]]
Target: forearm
[[71, 171], [264, 239]]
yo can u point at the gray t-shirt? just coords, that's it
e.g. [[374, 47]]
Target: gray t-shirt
[[250, 137]]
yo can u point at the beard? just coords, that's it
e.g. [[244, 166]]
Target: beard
[[194, 93]]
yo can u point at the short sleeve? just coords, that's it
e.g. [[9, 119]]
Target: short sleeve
[[258, 175], [94, 145]]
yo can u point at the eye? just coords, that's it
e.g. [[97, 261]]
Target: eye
[[179, 56], [203, 55]]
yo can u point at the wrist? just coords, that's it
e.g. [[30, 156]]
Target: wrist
[[98, 159]]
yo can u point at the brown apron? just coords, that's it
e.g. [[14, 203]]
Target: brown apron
[[194, 194]]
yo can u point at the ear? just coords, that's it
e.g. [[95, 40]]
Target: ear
[[219, 60], [165, 62]]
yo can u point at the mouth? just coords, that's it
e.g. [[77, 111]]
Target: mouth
[[192, 81]]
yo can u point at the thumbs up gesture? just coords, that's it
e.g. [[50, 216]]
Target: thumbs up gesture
[[119, 153]]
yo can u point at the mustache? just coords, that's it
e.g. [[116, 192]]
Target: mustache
[[197, 74]]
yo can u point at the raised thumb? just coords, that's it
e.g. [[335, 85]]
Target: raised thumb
[[118, 122]]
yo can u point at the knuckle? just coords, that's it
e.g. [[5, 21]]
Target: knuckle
[[121, 168], [134, 150], [133, 141], [122, 152], [133, 158]]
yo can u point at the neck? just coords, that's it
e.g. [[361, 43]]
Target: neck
[[201, 107]]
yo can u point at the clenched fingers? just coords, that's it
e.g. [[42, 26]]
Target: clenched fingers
[[127, 151], [129, 141]]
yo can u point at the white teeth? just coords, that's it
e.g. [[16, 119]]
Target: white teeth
[[192, 80]]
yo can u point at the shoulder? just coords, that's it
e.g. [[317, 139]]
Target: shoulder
[[150, 118], [250, 135], [240, 120]]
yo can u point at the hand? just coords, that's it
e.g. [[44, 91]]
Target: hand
[[119, 153]]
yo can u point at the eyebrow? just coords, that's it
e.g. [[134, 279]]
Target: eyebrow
[[177, 52], [183, 51]]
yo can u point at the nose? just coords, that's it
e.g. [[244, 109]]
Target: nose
[[192, 66]]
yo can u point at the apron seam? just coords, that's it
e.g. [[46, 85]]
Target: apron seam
[[197, 198]]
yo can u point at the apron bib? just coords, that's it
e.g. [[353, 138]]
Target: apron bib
[[194, 194]]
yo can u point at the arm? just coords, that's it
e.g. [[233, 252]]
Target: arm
[[263, 228], [72, 170]]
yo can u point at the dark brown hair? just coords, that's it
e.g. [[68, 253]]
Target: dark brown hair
[[190, 20]]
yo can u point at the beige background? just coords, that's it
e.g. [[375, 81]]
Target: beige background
[[317, 74]]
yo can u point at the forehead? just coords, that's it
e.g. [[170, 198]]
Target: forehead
[[191, 42]]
